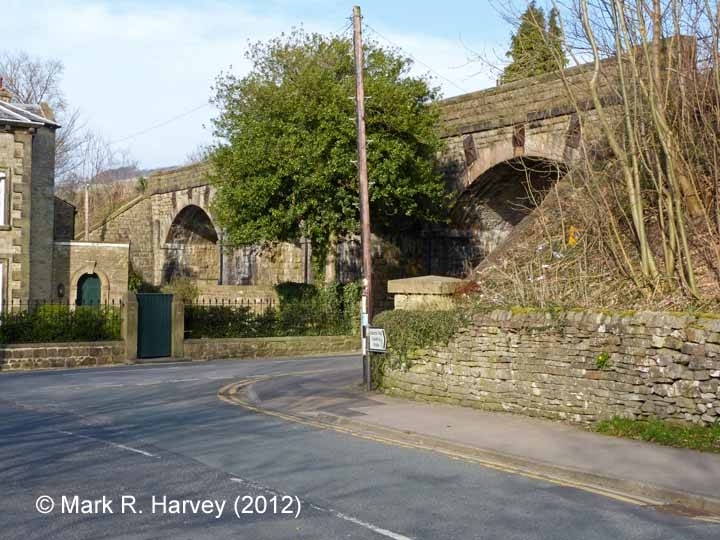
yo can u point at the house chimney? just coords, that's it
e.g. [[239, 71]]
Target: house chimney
[[5, 95]]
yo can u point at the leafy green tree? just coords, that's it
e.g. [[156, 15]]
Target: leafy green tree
[[536, 47], [286, 166]]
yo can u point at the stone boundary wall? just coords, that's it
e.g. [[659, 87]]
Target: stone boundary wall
[[550, 364], [207, 349], [32, 356], [61, 355]]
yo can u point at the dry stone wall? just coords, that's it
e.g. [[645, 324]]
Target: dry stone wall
[[575, 366]]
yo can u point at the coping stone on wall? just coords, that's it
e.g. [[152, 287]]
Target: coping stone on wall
[[426, 285]]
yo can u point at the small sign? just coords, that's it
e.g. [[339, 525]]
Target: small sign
[[377, 340]]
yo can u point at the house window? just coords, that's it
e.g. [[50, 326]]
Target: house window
[[4, 189]]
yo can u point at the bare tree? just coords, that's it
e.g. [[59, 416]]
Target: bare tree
[[647, 98], [199, 154], [86, 164], [33, 80], [666, 71], [96, 186], [38, 80]]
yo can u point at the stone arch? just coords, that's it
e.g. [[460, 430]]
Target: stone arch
[[89, 269], [500, 198], [191, 246], [554, 139]]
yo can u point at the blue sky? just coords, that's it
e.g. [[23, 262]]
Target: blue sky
[[132, 65]]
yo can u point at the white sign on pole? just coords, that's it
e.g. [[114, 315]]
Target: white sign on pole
[[377, 340]]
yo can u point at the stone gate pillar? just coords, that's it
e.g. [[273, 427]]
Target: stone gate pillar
[[129, 325], [425, 292], [177, 336]]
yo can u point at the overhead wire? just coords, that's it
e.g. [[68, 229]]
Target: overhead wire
[[340, 32], [415, 59], [160, 124]]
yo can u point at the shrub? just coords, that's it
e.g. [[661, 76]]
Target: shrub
[[291, 292], [183, 287], [224, 321], [602, 360], [351, 294], [306, 309], [135, 281], [302, 310], [410, 330], [60, 322]]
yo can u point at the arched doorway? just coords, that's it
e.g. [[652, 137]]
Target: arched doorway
[[88, 290], [191, 247]]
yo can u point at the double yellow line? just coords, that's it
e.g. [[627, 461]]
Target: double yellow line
[[230, 394]]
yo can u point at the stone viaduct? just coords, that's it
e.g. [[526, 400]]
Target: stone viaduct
[[171, 231], [508, 144], [499, 141]]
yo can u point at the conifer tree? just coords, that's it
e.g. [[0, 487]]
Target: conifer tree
[[556, 37], [536, 47]]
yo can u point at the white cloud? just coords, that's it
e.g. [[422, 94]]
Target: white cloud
[[132, 66]]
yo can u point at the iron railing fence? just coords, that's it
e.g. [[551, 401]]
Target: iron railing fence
[[41, 321], [265, 317]]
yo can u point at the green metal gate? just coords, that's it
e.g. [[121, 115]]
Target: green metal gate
[[154, 325]]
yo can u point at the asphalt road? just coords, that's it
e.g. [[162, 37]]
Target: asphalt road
[[160, 432]]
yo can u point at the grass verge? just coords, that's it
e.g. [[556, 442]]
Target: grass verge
[[702, 438]]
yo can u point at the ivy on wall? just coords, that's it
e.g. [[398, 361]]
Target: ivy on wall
[[408, 331]]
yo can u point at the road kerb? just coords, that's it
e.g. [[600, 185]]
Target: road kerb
[[699, 507]]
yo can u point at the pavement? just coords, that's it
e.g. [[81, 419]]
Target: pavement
[[657, 474], [161, 433]]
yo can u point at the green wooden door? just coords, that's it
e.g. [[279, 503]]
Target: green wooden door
[[154, 325], [88, 290]]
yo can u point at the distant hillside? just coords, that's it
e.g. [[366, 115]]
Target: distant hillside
[[110, 190]]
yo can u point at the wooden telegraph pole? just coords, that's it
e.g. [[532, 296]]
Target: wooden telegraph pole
[[364, 196]]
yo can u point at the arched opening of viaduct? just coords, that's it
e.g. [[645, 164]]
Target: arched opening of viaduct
[[191, 247], [499, 199]]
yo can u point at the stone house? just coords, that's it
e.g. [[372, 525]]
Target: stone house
[[39, 261]]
